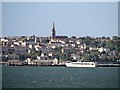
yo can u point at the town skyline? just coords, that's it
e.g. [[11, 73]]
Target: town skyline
[[71, 19], [53, 34]]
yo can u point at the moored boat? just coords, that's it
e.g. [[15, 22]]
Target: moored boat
[[81, 64]]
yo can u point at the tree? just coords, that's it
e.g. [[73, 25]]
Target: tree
[[114, 37], [109, 44], [103, 37], [86, 57]]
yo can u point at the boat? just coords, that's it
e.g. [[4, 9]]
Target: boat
[[81, 64]]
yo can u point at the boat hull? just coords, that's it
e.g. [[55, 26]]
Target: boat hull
[[81, 64]]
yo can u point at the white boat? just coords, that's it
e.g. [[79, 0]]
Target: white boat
[[81, 64]]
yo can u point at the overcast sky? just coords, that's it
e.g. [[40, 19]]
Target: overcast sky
[[71, 19]]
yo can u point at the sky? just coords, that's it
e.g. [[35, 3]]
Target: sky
[[0, 19], [95, 19]]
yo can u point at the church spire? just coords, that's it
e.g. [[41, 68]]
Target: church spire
[[53, 31], [53, 25]]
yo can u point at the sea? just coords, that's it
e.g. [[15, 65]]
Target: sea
[[59, 77]]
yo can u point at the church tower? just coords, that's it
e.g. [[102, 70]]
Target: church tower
[[53, 31]]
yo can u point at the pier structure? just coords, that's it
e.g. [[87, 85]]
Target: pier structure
[[108, 65]]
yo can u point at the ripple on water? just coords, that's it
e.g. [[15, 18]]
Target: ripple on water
[[39, 77]]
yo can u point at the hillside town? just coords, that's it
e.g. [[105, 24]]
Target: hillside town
[[54, 49]]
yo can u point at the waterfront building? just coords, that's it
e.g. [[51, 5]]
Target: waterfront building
[[55, 44]]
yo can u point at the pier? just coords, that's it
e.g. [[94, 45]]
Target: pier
[[108, 65]]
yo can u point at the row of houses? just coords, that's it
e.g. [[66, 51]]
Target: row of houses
[[46, 48]]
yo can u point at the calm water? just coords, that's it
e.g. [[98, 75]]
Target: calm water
[[59, 77]]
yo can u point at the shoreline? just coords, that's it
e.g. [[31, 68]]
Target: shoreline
[[52, 65], [99, 65]]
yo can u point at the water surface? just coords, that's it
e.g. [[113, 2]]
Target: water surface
[[59, 77]]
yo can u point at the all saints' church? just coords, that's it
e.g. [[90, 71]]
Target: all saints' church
[[53, 33]]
